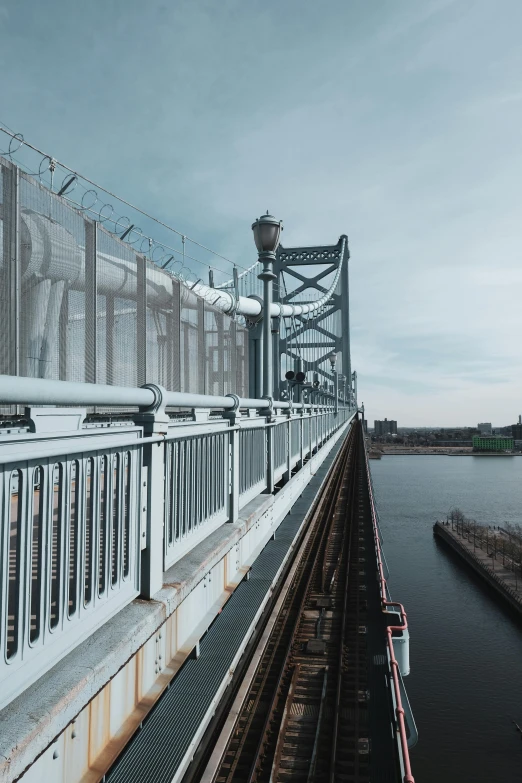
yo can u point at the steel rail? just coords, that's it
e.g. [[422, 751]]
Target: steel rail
[[16, 390], [331, 500], [347, 540], [268, 660], [313, 760], [321, 533], [279, 645]]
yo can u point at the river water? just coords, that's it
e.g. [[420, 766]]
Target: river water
[[465, 647]]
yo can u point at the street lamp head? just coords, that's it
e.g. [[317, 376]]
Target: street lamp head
[[333, 359], [267, 231]]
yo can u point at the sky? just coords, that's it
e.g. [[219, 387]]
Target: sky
[[396, 123]]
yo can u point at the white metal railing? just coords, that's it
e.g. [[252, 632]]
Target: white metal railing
[[93, 513], [69, 548]]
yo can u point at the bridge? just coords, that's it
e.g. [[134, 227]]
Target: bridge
[[192, 578]]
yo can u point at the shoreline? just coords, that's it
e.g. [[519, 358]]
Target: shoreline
[[442, 453], [500, 579]]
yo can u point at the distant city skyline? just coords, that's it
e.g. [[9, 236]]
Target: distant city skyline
[[398, 124]]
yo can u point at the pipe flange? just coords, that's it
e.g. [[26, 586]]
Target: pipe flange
[[270, 402], [236, 403], [160, 398], [256, 318]]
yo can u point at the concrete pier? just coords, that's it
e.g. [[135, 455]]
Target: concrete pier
[[489, 568]]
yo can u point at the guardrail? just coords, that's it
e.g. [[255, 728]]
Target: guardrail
[[93, 512], [407, 776]]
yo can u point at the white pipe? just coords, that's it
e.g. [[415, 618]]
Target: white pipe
[[51, 251], [252, 308]]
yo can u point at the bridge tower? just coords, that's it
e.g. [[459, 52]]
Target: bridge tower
[[307, 341]]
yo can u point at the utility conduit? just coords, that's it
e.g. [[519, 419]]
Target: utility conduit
[[252, 308]]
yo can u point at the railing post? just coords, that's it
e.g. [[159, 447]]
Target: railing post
[[155, 421], [91, 301], [232, 414], [288, 471], [10, 350], [301, 437], [269, 429]]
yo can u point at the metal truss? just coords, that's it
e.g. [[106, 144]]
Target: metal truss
[[308, 341]]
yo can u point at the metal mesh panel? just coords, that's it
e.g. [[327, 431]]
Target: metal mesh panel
[[5, 298], [189, 341], [75, 350], [229, 361], [90, 310], [241, 355], [214, 359], [159, 310], [117, 316], [52, 262], [174, 337]]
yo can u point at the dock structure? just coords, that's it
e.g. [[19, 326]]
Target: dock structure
[[487, 564], [168, 494]]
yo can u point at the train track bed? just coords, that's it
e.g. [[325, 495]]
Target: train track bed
[[317, 706]]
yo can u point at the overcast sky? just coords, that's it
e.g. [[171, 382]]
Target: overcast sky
[[397, 123]]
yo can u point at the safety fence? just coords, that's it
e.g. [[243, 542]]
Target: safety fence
[[79, 304], [93, 511]]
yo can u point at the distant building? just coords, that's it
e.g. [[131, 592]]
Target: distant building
[[384, 427], [484, 428], [492, 443], [516, 431]]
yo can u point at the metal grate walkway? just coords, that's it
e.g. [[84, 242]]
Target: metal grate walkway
[[155, 752]]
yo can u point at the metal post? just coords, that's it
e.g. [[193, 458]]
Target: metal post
[[155, 422], [255, 361], [336, 390], [267, 276], [232, 416], [141, 320], [10, 350], [91, 302]]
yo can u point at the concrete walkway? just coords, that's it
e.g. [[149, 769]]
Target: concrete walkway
[[493, 566]]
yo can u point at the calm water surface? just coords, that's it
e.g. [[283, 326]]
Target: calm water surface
[[466, 648]]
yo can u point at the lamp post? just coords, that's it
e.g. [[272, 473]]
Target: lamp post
[[267, 231], [333, 361]]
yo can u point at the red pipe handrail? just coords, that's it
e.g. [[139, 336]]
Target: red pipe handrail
[[399, 711]]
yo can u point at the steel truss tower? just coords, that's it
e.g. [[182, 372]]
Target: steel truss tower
[[309, 341]]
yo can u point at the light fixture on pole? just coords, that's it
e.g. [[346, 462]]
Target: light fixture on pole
[[267, 231]]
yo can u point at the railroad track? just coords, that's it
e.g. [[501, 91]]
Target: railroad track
[[304, 717]]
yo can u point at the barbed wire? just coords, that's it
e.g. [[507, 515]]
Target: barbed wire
[[123, 227]]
